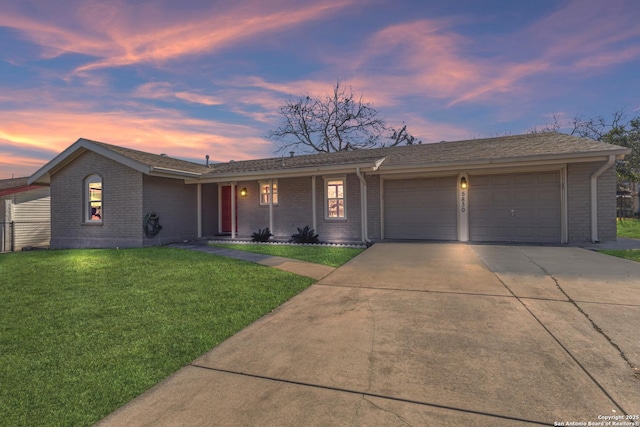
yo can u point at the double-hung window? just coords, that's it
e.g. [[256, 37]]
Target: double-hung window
[[335, 198], [267, 189], [93, 199]]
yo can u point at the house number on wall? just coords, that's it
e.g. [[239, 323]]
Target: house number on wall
[[463, 201]]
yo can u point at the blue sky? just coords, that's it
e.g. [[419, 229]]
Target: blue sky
[[189, 78]]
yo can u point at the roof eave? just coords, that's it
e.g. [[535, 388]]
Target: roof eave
[[43, 175], [21, 189], [507, 162], [167, 172], [283, 173]]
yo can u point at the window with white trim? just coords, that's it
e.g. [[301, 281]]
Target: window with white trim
[[265, 191], [335, 198], [93, 199]]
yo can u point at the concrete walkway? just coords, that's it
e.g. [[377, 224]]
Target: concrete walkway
[[425, 334], [303, 268], [623, 243]]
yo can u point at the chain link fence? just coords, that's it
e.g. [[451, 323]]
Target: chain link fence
[[24, 235]]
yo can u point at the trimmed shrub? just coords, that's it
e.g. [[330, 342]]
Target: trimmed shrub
[[262, 235], [305, 235]]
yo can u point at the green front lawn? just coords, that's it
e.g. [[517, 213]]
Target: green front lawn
[[327, 255], [632, 254], [629, 227], [84, 331]]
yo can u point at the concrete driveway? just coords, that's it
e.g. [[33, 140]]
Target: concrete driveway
[[426, 334]]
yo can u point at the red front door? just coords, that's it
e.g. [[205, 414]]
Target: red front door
[[225, 209]]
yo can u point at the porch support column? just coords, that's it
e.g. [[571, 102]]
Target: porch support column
[[233, 210], [313, 203], [199, 209], [363, 205], [271, 205], [463, 207]]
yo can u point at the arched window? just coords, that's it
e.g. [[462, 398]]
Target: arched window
[[93, 199]]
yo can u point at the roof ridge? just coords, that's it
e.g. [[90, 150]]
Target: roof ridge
[[117, 148]]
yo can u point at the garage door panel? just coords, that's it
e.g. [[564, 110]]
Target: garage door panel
[[522, 179], [421, 209], [548, 178], [548, 233], [526, 232], [515, 207], [496, 232]]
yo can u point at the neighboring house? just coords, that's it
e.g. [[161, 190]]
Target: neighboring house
[[25, 219], [539, 188]]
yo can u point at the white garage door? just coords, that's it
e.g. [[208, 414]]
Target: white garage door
[[515, 208], [423, 209]]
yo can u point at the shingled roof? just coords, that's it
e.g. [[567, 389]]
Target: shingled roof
[[11, 183], [15, 185], [517, 148], [476, 151], [155, 160]]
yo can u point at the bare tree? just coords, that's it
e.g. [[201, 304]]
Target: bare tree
[[400, 136], [337, 122], [616, 131], [597, 128], [554, 126]]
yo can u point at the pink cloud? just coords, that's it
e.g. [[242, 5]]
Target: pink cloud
[[157, 131], [506, 81], [428, 57], [165, 91], [422, 56], [123, 34], [15, 165]]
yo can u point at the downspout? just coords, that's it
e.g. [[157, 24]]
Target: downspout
[[363, 205], [233, 210], [199, 209], [313, 203], [594, 197], [271, 206]]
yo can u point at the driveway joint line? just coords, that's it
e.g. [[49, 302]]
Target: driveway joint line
[[634, 368], [424, 291], [368, 394], [608, 303], [575, 359], [373, 340]]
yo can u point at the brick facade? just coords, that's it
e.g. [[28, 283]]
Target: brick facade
[[209, 209], [128, 195], [579, 202], [175, 203], [121, 211], [294, 210]]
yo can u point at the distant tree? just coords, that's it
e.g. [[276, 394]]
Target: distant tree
[[616, 131], [554, 126], [337, 122], [400, 136]]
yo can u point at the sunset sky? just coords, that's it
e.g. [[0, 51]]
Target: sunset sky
[[192, 77]]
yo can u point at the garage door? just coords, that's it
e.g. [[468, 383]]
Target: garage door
[[420, 209], [515, 208]]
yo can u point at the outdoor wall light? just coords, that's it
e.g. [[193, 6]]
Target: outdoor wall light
[[243, 192], [463, 183]]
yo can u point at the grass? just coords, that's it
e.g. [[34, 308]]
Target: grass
[[327, 255], [629, 228], [632, 254], [82, 332]]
